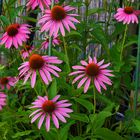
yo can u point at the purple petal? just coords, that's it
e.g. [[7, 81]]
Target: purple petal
[[41, 120], [56, 98], [48, 123], [55, 121], [60, 117]]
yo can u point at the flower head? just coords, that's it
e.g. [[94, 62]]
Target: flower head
[[127, 15], [57, 110], [7, 82], [92, 71], [27, 51], [42, 64], [57, 18], [15, 35], [55, 41], [2, 100], [41, 3]]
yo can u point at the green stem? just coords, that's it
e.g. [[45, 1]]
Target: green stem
[[50, 38], [50, 46], [94, 92], [66, 53], [123, 42], [137, 74], [7, 7], [85, 32], [44, 85], [36, 91]]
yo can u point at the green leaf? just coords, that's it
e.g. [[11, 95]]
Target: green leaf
[[131, 41], [2, 67], [106, 134], [98, 120], [61, 55], [77, 138], [29, 19], [80, 117], [4, 20], [75, 46], [74, 34], [20, 134], [101, 117], [88, 105], [15, 11], [99, 36], [137, 124], [95, 10], [64, 131], [53, 89], [11, 2]]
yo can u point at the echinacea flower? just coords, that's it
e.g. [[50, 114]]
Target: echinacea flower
[[56, 19], [7, 82], [41, 3], [27, 51], [92, 71], [2, 100], [15, 35], [42, 64], [47, 109], [127, 15], [55, 41]]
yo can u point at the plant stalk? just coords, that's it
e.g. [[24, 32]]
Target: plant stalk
[[94, 92], [123, 42], [66, 53], [137, 79], [50, 38]]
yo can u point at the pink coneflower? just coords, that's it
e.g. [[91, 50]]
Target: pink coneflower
[[127, 15], [42, 64], [15, 35], [2, 100], [27, 51], [92, 71], [41, 3], [50, 108], [58, 18], [7, 82], [55, 41]]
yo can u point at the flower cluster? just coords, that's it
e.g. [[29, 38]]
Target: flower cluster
[[55, 21]]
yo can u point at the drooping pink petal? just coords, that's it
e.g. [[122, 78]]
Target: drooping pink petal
[[55, 121], [48, 123], [41, 120], [33, 80], [36, 117]]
